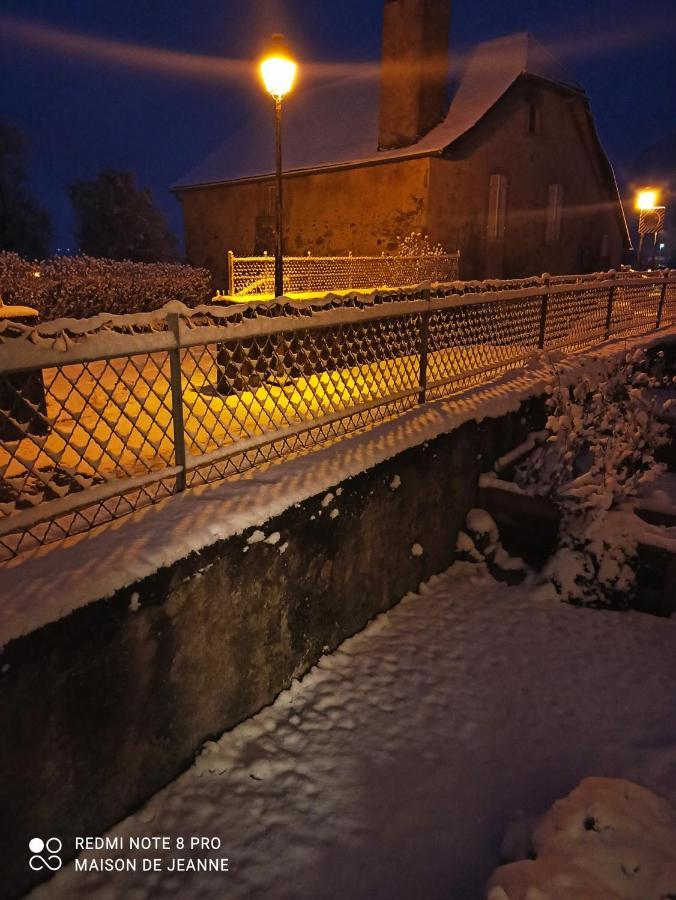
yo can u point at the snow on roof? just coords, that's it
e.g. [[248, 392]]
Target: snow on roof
[[337, 124]]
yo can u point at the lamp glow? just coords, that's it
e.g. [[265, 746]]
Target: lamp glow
[[278, 70], [646, 199]]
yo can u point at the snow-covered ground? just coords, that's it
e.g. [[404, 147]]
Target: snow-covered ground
[[393, 769]]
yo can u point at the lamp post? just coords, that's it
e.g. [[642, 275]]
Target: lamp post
[[278, 71], [646, 199]]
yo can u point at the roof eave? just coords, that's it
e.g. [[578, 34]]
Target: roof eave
[[309, 170]]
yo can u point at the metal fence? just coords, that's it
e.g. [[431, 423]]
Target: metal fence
[[102, 416], [251, 275]]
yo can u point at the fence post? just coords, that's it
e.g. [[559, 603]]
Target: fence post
[[663, 294], [174, 325], [609, 312], [544, 304], [424, 343], [230, 274]]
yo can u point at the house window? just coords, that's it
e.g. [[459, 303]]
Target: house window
[[554, 210], [533, 118], [497, 207]]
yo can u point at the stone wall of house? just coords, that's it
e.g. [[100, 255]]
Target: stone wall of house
[[110, 703], [360, 210], [365, 210], [559, 151]]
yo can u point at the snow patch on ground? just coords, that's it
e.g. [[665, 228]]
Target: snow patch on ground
[[660, 495], [491, 480], [393, 768]]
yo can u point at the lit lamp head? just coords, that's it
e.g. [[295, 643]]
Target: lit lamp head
[[646, 199], [278, 69]]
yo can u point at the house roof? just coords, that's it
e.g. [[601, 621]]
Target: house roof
[[336, 124]]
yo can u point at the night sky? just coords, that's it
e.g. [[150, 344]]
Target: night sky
[[86, 105]]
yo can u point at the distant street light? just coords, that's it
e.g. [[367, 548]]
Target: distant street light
[[278, 71], [646, 199], [651, 219]]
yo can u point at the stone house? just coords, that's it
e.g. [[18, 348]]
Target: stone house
[[511, 171]]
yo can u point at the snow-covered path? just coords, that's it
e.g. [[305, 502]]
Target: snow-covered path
[[393, 768]]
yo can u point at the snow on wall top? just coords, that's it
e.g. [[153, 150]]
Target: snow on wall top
[[337, 124], [45, 585]]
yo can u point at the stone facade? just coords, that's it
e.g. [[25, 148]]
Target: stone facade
[[510, 173], [367, 209], [361, 210], [562, 149]]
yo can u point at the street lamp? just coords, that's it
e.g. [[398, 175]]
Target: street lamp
[[278, 71]]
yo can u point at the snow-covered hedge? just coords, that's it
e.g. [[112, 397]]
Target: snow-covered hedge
[[82, 286], [610, 839]]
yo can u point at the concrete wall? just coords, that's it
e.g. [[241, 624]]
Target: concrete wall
[[104, 707], [362, 210], [560, 151]]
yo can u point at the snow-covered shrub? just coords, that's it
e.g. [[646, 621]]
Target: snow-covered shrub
[[480, 543], [417, 243], [610, 839], [602, 435], [83, 286], [595, 566]]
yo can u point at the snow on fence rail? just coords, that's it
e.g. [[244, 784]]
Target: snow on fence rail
[[101, 416], [250, 275]]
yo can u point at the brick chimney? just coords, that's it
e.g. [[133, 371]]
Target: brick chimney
[[414, 70]]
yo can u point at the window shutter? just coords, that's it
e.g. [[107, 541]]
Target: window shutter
[[554, 210], [497, 207]]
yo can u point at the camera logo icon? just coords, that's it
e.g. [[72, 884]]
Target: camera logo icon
[[45, 854]]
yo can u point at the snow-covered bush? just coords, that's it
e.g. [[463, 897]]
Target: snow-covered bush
[[602, 435], [610, 839], [480, 543], [417, 243], [83, 286]]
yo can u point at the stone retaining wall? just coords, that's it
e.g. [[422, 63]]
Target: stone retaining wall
[[104, 707]]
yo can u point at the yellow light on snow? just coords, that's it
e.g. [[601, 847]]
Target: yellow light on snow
[[646, 199], [278, 70]]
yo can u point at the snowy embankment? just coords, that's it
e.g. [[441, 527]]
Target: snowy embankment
[[393, 769], [44, 586]]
